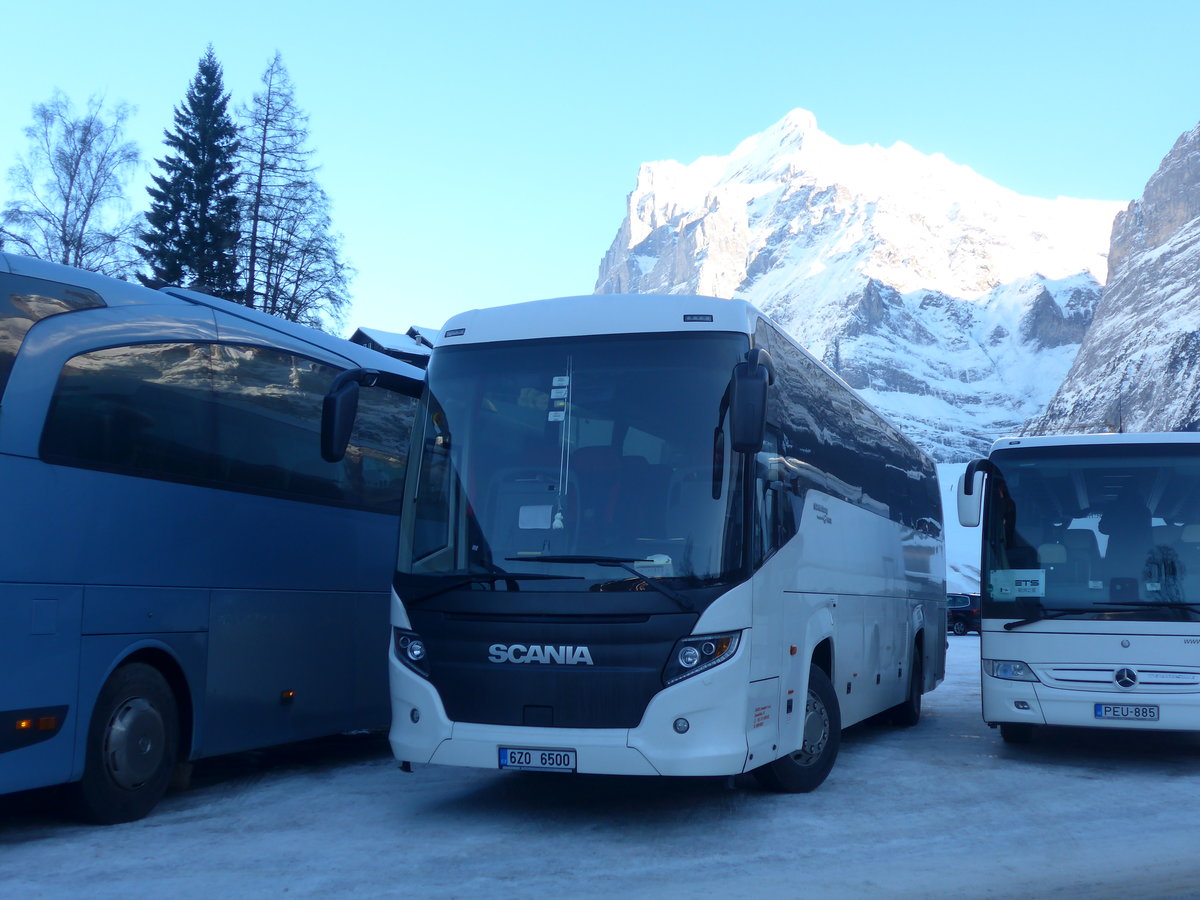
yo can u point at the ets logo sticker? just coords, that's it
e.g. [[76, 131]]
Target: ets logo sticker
[[1009, 584]]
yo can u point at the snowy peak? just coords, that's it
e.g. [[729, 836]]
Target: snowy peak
[[1138, 368], [913, 276]]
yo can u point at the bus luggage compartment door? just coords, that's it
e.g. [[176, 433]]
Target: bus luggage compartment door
[[39, 674]]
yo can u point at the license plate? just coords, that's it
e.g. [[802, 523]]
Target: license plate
[[537, 760], [1129, 711]]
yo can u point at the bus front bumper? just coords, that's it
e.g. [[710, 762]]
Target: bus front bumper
[[713, 704], [1034, 703]]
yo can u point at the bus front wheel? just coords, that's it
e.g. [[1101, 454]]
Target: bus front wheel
[[805, 769], [1016, 732], [908, 713], [132, 745]]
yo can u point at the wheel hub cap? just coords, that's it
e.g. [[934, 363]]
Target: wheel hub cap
[[816, 731], [134, 743]]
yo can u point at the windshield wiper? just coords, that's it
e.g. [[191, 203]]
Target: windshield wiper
[[1045, 612], [1127, 606], [619, 562], [1135, 605], [489, 578]]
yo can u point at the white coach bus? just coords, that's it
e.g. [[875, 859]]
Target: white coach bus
[[651, 535], [1091, 581]]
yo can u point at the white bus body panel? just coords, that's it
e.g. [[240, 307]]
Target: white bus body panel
[[1076, 660], [1076, 671], [845, 577], [738, 712], [714, 703]]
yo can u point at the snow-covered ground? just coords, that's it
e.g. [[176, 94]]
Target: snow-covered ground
[[945, 809]]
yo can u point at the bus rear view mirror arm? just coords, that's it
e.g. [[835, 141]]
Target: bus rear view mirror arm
[[970, 492], [748, 401], [340, 407], [339, 410]]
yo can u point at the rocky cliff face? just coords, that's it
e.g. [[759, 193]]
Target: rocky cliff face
[[1138, 368], [953, 305]]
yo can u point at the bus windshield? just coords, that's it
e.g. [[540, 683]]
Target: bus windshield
[[590, 464], [1097, 532]]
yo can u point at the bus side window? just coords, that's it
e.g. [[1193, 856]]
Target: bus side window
[[775, 496], [241, 418], [432, 522], [269, 422], [142, 410], [25, 301]]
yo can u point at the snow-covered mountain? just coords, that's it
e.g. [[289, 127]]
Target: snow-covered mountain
[[1139, 365], [953, 305]]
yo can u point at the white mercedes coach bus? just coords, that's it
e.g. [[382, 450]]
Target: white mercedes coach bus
[[651, 535], [1091, 581]]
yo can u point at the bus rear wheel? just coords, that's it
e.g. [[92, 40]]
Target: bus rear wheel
[[806, 768], [132, 745]]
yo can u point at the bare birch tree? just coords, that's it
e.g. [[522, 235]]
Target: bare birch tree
[[69, 202]]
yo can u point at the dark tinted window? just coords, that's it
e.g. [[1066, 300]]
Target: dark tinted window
[[828, 439], [236, 417], [1103, 531], [143, 410], [779, 505], [24, 301], [578, 447]]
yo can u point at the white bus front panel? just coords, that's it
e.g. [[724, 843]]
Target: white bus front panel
[[1093, 679]]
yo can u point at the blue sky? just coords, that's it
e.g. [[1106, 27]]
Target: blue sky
[[480, 153]]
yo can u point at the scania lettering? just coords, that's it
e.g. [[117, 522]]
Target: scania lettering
[[519, 653], [651, 535], [1090, 581]]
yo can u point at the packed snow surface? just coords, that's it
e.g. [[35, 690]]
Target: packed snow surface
[[945, 809]]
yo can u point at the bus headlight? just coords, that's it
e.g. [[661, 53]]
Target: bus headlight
[[1008, 669], [410, 650], [692, 655]]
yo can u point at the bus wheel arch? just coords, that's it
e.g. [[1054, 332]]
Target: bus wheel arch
[[822, 657], [170, 669], [805, 768], [907, 713], [131, 747]]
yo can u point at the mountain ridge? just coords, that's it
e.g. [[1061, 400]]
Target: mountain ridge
[[929, 288]]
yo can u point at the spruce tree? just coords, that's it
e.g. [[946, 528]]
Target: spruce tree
[[193, 226]]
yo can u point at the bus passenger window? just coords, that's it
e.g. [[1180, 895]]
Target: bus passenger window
[[25, 301], [242, 418], [142, 410]]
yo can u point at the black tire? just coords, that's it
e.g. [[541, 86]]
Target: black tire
[[908, 713], [806, 768], [1016, 732], [960, 627], [132, 745]]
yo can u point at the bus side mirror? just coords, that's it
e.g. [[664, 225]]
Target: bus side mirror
[[970, 495], [748, 401], [338, 412]]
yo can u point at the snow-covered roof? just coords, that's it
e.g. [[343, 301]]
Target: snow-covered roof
[[412, 346]]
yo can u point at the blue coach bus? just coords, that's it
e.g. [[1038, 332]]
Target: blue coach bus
[[181, 573]]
